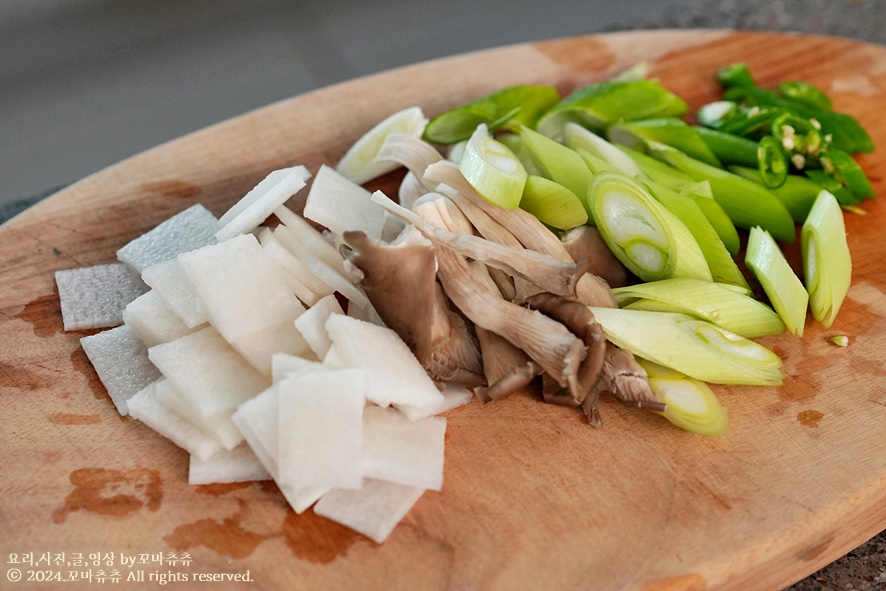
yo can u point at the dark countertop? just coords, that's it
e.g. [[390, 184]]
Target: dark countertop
[[863, 569]]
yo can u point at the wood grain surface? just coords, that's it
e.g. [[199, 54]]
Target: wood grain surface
[[533, 497]]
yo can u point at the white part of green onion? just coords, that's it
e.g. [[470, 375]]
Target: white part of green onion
[[552, 203], [784, 289], [579, 138], [826, 260], [647, 238], [691, 405], [713, 302], [690, 346], [493, 170], [840, 340]]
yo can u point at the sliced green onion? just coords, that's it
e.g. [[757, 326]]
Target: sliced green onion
[[826, 260], [784, 289], [687, 209], [798, 193], [518, 147], [552, 203], [728, 147], [840, 340], [578, 138], [805, 93], [847, 172], [557, 162], [601, 104], [690, 404], [747, 203], [493, 170], [708, 301], [712, 115], [506, 108], [647, 238], [671, 131], [735, 75], [772, 162], [693, 347]]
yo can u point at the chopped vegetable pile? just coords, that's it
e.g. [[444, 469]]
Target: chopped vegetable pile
[[586, 244]]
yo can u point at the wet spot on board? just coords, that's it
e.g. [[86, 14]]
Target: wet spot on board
[[64, 418], [112, 493], [44, 315], [317, 539], [81, 364], [173, 188], [687, 582], [20, 378], [226, 537], [809, 418]]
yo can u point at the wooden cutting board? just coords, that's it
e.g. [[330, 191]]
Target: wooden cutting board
[[533, 498]]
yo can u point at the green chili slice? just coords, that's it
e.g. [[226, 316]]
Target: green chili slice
[[735, 75], [847, 172], [806, 93], [772, 162]]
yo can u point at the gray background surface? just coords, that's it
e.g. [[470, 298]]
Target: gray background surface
[[86, 83]]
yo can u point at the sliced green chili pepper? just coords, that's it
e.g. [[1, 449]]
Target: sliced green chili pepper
[[798, 135], [729, 148], [772, 162], [831, 185], [847, 172], [806, 93], [735, 75]]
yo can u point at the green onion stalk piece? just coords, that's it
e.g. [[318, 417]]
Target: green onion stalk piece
[[719, 260], [840, 340], [784, 289], [601, 104], [798, 193], [713, 302], [690, 404], [493, 170], [846, 132], [735, 75], [666, 175], [827, 264], [747, 203], [772, 162], [806, 93], [728, 147], [578, 138], [647, 238], [558, 163], [671, 131], [597, 165], [847, 172], [696, 348], [510, 107], [552, 204], [712, 115], [516, 144]]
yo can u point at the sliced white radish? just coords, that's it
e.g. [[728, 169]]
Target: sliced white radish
[[259, 347], [219, 426], [121, 361], [205, 369], [342, 205], [239, 287], [283, 365], [309, 237], [304, 284], [366, 313], [145, 407], [259, 203], [402, 451], [312, 324], [94, 297], [238, 465], [153, 320], [168, 279], [374, 511], [187, 230], [394, 375], [359, 163], [454, 395], [320, 428]]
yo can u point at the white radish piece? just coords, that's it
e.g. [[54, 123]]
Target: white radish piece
[[283, 365], [145, 407], [187, 230], [239, 287], [153, 320], [396, 449], [205, 369], [168, 279], [374, 511], [312, 324], [341, 205], [259, 347], [359, 163], [366, 313], [311, 238], [238, 465], [394, 375], [94, 297], [219, 426], [121, 361], [320, 428], [454, 395], [259, 203], [304, 284]]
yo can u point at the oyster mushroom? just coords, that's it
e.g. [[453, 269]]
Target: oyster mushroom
[[625, 379], [585, 243], [436, 335]]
